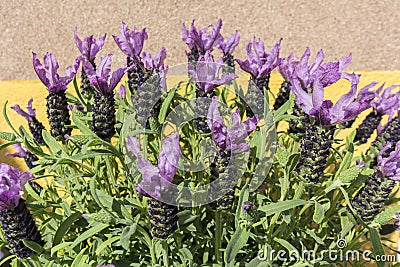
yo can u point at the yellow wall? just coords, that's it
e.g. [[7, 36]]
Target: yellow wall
[[19, 92]]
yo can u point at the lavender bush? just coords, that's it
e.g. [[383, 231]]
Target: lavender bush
[[122, 185]]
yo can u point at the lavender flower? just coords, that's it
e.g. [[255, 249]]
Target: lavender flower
[[156, 65], [21, 152], [57, 106], [387, 104], [285, 68], [89, 48], [131, 43], [147, 100], [35, 127], [155, 181], [16, 221], [227, 49], [246, 206], [323, 111], [201, 41], [104, 83], [370, 199], [397, 223], [259, 63], [207, 74], [318, 139], [12, 183], [229, 141]]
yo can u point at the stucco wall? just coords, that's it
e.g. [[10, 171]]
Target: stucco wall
[[367, 28]]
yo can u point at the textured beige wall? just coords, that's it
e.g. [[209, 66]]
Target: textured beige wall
[[370, 29]]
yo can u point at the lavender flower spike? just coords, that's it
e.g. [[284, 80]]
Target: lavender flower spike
[[370, 200], [104, 109], [286, 69], [324, 111], [16, 221], [259, 63], [207, 72], [12, 183], [131, 41], [387, 103], [200, 40], [47, 72], [100, 78], [90, 46], [227, 49], [155, 180], [231, 139], [35, 127], [156, 65]]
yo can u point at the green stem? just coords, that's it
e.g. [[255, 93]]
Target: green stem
[[218, 235], [165, 253], [153, 255]]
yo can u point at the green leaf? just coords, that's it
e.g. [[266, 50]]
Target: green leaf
[[289, 247], [126, 235], [105, 244], [3, 261], [64, 227], [238, 241], [7, 136], [59, 247], [52, 143], [279, 113], [186, 255], [34, 246], [7, 119], [387, 215], [88, 234], [377, 246], [280, 206], [345, 164], [81, 126], [292, 162], [3, 146], [165, 105], [349, 175], [319, 213], [80, 259]]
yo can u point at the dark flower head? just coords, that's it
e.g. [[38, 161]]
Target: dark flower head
[[20, 152], [157, 179], [100, 77], [230, 45], [131, 42], [47, 73], [157, 65], [397, 222], [29, 115], [12, 183], [207, 73], [387, 103], [231, 139], [390, 166], [286, 67], [200, 39], [90, 46], [259, 63], [323, 110]]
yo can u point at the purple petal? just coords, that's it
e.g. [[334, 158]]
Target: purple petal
[[100, 84], [20, 152], [27, 115], [116, 78], [104, 68], [122, 91], [169, 157], [40, 70], [213, 114], [88, 68], [230, 45], [344, 62], [97, 46]]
